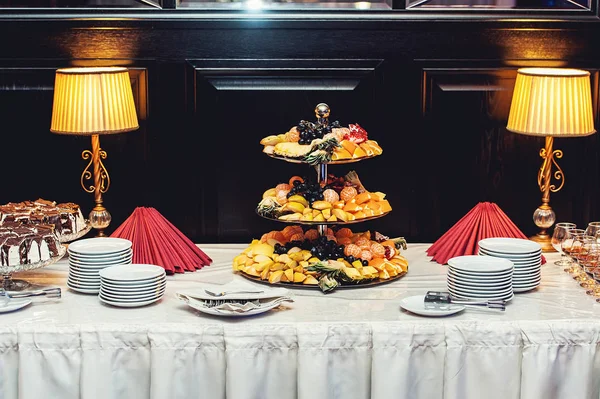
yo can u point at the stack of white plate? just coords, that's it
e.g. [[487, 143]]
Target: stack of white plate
[[480, 278], [524, 254], [87, 257], [130, 286]]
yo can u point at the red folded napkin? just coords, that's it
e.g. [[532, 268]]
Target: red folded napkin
[[157, 242], [485, 220]]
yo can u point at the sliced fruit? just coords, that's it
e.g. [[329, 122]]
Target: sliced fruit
[[264, 249], [298, 198], [264, 274], [339, 204], [251, 271], [266, 264], [310, 280], [375, 205], [269, 193], [357, 264], [284, 279], [352, 273], [326, 213], [276, 266], [350, 216], [292, 150], [319, 218], [315, 213], [294, 207], [352, 207], [289, 273], [380, 196], [340, 215], [367, 149], [384, 275], [349, 146], [363, 197], [377, 150], [340, 153], [321, 205], [301, 266], [299, 277], [307, 217], [273, 241], [385, 206], [358, 153], [275, 277], [360, 215], [291, 216], [332, 219]]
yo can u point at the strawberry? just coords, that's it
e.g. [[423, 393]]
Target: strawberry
[[357, 134]]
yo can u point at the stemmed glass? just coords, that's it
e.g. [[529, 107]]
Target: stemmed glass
[[567, 246], [560, 234], [588, 260], [593, 229]]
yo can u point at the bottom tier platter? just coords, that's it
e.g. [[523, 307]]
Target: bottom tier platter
[[341, 258]]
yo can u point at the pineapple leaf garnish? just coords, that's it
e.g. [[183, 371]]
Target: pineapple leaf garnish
[[318, 157], [328, 283], [268, 207]]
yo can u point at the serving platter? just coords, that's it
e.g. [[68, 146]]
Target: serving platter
[[336, 162], [339, 222]]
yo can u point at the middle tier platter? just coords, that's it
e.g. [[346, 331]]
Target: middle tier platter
[[336, 200]]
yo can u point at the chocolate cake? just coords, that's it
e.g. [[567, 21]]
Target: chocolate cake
[[22, 244], [66, 218]]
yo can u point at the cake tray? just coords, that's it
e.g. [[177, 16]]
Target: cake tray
[[343, 285], [340, 222], [8, 270], [337, 162], [75, 236]]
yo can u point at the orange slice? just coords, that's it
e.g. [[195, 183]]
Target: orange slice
[[348, 146], [359, 153]]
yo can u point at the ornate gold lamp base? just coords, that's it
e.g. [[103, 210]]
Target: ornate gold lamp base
[[544, 217], [99, 217]]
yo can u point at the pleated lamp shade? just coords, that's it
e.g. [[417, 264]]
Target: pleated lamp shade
[[91, 101], [552, 102]]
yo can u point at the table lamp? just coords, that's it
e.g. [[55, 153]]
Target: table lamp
[[93, 102], [550, 102]]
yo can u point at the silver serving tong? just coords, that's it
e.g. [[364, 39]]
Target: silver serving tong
[[48, 293], [436, 298]]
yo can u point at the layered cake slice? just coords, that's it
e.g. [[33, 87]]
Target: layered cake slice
[[25, 244]]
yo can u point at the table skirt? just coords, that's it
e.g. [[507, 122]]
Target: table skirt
[[307, 361]]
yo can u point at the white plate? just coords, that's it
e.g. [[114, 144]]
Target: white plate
[[139, 298], [481, 276], [134, 291], [95, 261], [95, 246], [151, 281], [215, 312], [82, 289], [133, 272], [416, 304], [14, 304], [83, 282], [481, 294], [480, 264], [133, 295], [521, 257], [516, 261], [506, 298], [521, 286], [132, 287], [510, 245], [478, 280], [76, 276], [84, 273], [475, 287], [127, 304], [527, 276], [85, 258]]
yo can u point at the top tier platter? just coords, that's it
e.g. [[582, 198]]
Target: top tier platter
[[336, 162]]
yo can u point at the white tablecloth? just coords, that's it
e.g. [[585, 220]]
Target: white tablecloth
[[353, 343]]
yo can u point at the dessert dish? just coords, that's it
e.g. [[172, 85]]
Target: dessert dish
[[66, 218], [322, 142], [338, 258], [22, 244], [335, 200]]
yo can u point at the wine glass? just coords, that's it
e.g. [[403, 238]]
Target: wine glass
[[560, 234], [587, 259], [591, 266], [579, 251], [567, 247], [593, 229]]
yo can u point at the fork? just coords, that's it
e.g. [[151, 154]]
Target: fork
[[217, 294]]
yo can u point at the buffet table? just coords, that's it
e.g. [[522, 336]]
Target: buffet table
[[352, 343]]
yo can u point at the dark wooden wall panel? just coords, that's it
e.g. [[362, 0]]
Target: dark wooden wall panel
[[434, 93]]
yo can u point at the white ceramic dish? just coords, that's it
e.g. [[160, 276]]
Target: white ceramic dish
[[127, 304], [221, 313], [126, 290], [480, 264], [94, 246], [510, 245], [14, 304], [83, 290], [481, 294], [506, 298], [115, 255], [83, 273], [132, 287], [119, 298], [481, 276], [517, 257], [94, 261], [132, 273], [478, 288], [132, 295], [478, 280], [416, 304]]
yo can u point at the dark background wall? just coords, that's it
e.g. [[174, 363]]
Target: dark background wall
[[434, 90]]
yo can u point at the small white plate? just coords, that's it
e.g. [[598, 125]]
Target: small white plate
[[139, 298], [452, 275], [479, 288], [136, 294], [482, 276], [96, 261], [134, 284], [100, 257], [510, 245], [82, 289], [416, 304], [515, 261], [480, 264], [481, 294], [127, 304], [14, 304], [79, 273], [513, 257], [133, 272], [95, 246]]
